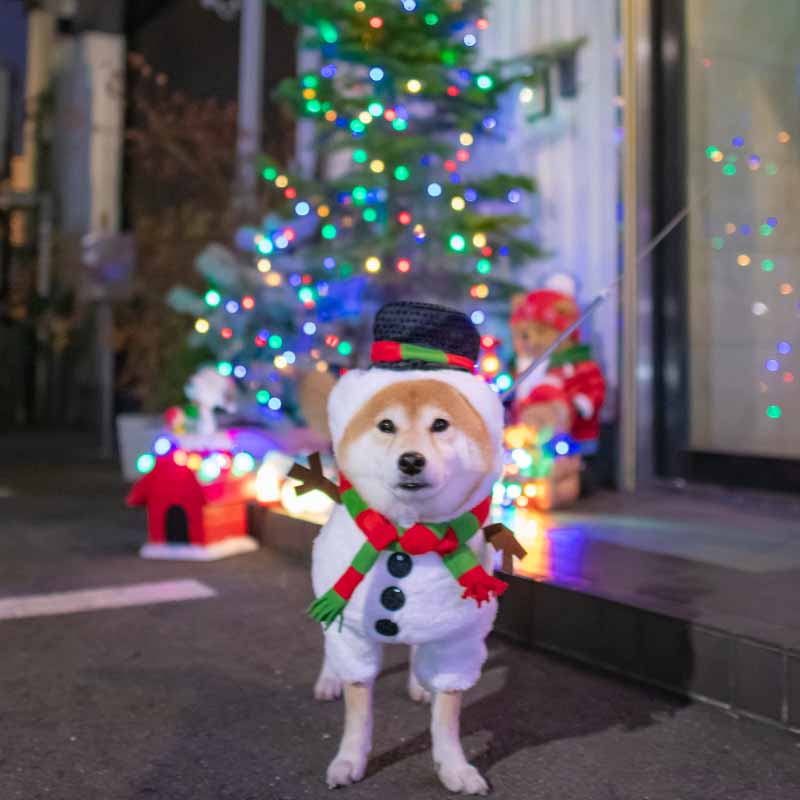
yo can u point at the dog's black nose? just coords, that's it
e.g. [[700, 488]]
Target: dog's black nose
[[411, 463]]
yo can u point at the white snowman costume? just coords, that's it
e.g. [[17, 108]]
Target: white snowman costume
[[404, 599]]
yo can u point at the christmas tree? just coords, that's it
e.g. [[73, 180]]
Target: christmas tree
[[401, 204]]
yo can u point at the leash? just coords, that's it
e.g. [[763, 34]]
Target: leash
[[508, 395]]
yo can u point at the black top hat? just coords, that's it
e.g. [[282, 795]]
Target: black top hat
[[412, 335]]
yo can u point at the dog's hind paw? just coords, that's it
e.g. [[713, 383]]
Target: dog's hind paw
[[344, 771], [463, 779], [417, 692], [327, 688]]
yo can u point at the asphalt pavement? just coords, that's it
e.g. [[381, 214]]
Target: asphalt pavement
[[210, 698]]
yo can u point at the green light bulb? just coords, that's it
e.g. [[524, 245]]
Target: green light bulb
[[458, 243], [328, 32]]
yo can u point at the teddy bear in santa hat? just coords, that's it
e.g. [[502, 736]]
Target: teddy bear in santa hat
[[566, 392], [404, 559]]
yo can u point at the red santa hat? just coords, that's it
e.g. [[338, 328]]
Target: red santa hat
[[553, 305]]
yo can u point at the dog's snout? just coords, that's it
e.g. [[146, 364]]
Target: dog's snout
[[411, 463]]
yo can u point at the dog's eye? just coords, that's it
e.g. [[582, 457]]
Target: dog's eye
[[387, 426], [440, 425]]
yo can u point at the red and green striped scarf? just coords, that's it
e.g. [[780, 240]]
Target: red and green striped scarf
[[448, 539]]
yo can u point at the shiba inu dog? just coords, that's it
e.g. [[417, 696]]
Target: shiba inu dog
[[402, 558]]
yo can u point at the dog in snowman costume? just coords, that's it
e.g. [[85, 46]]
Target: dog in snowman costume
[[402, 560]]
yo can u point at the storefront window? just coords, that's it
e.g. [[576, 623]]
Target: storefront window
[[742, 84]]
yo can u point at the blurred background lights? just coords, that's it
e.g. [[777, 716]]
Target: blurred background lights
[[784, 348], [434, 189], [145, 463], [759, 309], [772, 365], [243, 463], [240, 371], [201, 326], [309, 328], [503, 381], [414, 86], [458, 243], [526, 94], [478, 317], [162, 446], [376, 74], [274, 403], [774, 412]]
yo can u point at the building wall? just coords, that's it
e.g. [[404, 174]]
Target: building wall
[[13, 38], [743, 285], [573, 154]]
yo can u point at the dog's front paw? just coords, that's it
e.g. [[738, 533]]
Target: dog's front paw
[[327, 687], [344, 770], [463, 778]]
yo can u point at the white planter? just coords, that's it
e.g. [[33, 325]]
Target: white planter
[[135, 435]]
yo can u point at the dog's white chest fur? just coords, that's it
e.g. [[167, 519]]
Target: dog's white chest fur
[[423, 602]]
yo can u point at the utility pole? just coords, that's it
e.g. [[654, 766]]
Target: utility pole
[[251, 74]]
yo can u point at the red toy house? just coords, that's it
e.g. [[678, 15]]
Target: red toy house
[[192, 519]]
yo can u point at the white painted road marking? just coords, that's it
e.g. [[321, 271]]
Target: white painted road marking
[[132, 594]]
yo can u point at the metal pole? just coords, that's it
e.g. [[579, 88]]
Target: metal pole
[[628, 412], [105, 374], [251, 66]]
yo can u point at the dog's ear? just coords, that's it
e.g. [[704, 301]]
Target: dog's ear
[[313, 390]]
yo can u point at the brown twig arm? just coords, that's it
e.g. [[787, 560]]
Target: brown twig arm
[[503, 540], [312, 477]]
